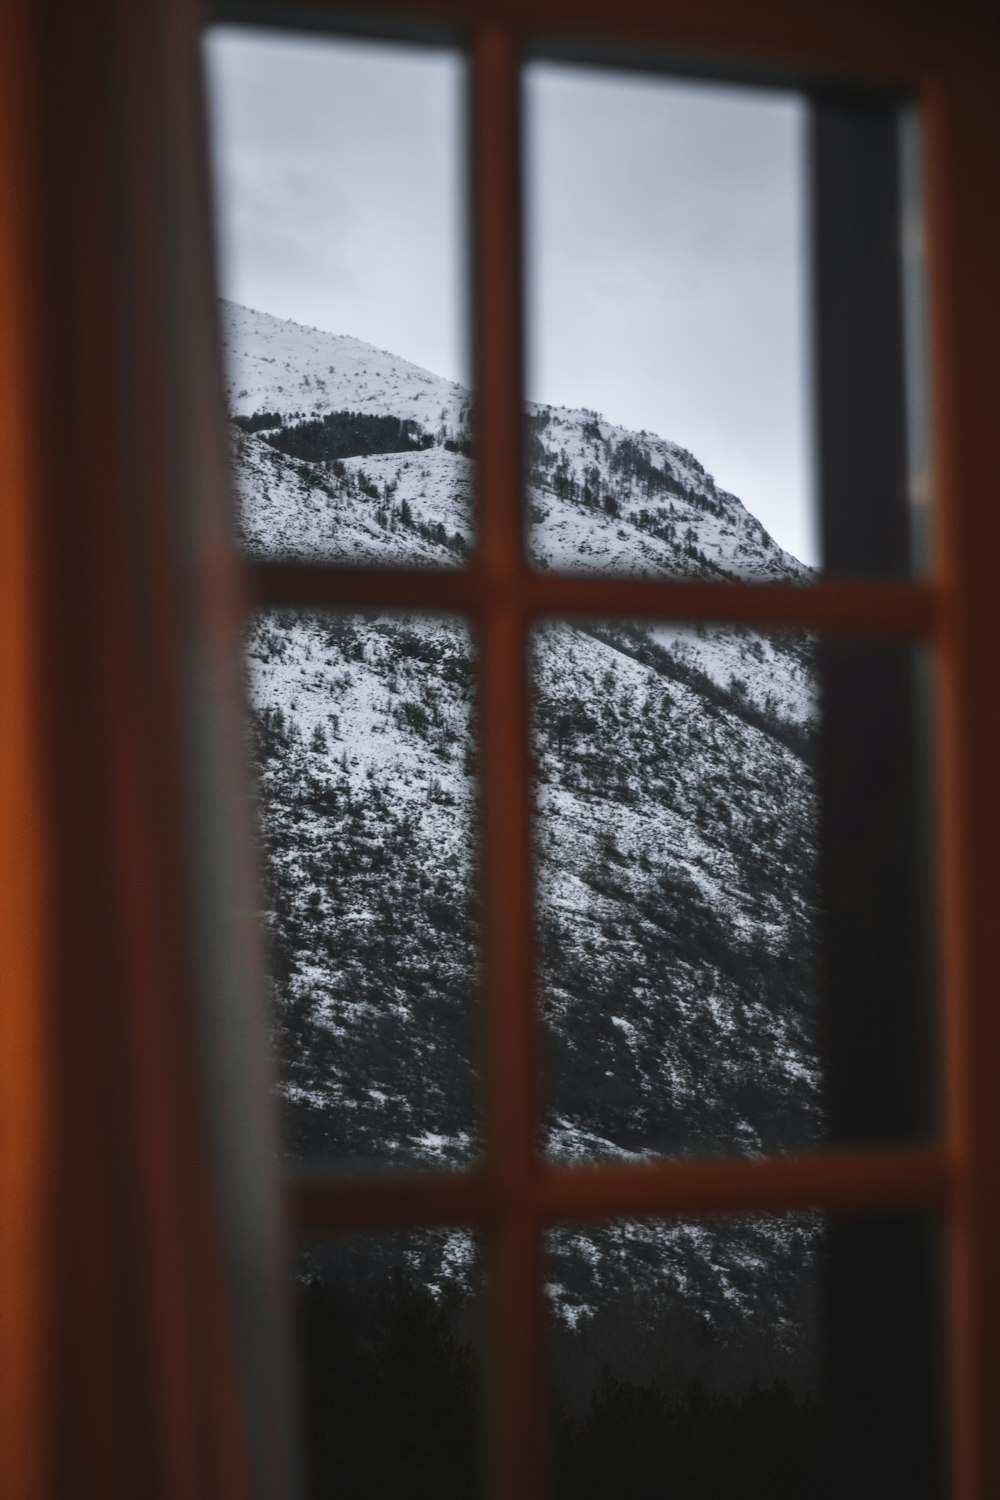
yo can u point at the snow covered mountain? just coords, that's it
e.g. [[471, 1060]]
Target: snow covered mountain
[[601, 498], [675, 817]]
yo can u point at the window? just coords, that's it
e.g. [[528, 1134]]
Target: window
[[156, 1185], [878, 982]]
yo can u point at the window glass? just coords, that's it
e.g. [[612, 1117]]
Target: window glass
[[388, 1353], [732, 888], [676, 844], [341, 228], [363, 743], [668, 427], [688, 1357]]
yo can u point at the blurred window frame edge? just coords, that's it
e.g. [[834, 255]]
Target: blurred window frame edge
[[136, 1169]]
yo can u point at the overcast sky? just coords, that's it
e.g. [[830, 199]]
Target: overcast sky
[[665, 255]]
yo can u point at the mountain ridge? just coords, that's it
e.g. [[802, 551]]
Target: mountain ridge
[[577, 462]]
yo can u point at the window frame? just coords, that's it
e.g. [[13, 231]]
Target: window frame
[[125, 574], [515, 1195]]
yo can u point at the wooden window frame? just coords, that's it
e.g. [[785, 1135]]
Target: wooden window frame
[[515, 1196], [141, 321]]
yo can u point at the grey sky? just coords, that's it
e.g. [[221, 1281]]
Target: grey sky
[[340, 185], [666, 265], [666, 273]]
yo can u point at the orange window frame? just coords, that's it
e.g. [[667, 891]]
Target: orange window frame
[[105, 241]]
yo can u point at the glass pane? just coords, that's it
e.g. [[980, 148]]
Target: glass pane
[[340, 217], [734, 902], [387, 1335], [363, 741], [668, 428], [676, 845], [688, 1358]]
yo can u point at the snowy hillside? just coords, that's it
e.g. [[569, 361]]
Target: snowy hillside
[[603, 499], [276, 365], [600, 498], [675, 827]]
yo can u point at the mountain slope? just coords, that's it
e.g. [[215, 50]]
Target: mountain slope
[[600, 498], [674, 831]]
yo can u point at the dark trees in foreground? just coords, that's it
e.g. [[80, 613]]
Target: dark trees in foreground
[[391, 1406]]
